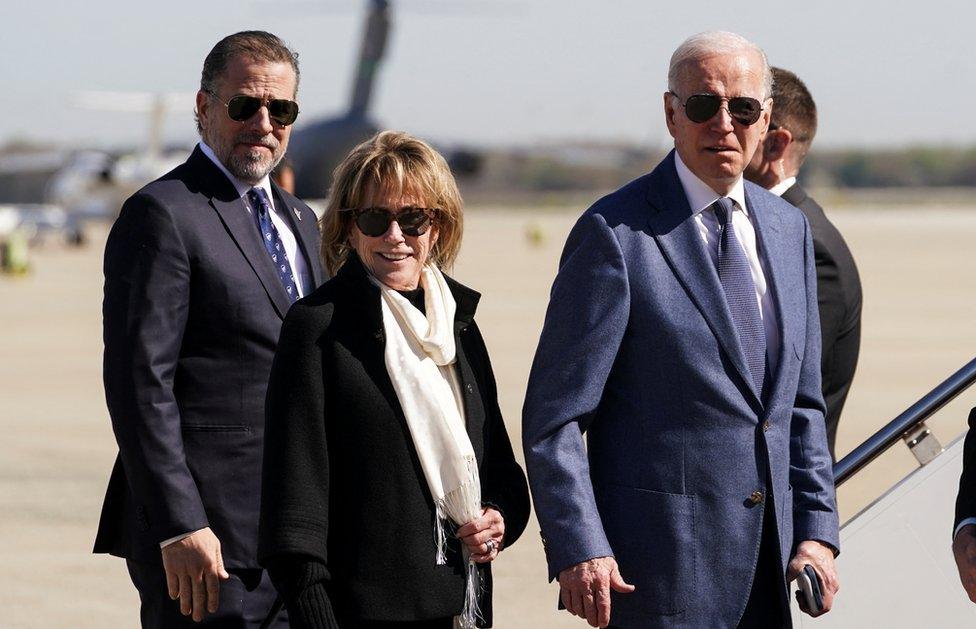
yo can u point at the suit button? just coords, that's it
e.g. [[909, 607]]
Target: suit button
[[756, 497], [765, 425]]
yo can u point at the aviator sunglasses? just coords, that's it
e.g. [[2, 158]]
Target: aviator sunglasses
[[701, 107], [374, 221], [241, 108]]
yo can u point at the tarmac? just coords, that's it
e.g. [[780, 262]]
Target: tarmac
[[58, 448]]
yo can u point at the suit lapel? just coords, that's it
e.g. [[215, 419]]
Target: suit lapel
[[676, 232], [241, 227], [303, 224], [769, 234], [240, 224]]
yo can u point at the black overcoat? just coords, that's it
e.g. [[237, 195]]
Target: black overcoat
[[347, 520]]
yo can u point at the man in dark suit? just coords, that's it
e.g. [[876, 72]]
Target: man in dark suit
[[964, 526], [774, 167], [200, 268], [682, 337]]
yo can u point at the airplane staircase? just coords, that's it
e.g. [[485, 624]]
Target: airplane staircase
[[896, 568]]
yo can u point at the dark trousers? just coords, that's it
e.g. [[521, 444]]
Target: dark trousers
[[768, 607], [245, 600]]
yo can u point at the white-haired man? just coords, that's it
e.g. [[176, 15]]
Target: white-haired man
[[683, 338]]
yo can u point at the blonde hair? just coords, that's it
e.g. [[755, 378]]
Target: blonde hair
[[392, 164]]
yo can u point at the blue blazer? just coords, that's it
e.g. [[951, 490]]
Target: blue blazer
[[639, 352]]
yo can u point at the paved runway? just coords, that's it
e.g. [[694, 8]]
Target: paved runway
[[57, 447]]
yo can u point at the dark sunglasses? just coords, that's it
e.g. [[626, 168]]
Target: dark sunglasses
[[242, 108], [374, 221], [701, 107]]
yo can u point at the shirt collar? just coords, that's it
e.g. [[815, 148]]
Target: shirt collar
[[241, 186], [783, 186], [700, 195]]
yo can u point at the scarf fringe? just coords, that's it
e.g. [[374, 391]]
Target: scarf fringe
[[457, 505], [459, 501], [471, 614]]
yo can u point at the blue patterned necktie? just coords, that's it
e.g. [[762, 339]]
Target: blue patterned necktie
[[735, 274], [272, 241]]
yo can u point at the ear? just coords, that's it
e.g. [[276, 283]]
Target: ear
[[434, 234], [203, 106], [670, 109], [776, 143]]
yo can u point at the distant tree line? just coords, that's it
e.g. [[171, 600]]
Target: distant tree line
[[895, 168], [605, 167]]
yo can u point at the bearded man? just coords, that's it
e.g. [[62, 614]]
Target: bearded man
[[200, 268]]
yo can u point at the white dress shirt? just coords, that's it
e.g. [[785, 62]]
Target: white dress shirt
[[299, 267], [700, 198], [962, 524], [783, 186]]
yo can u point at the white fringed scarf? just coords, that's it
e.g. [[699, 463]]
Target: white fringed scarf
[[420, 359]]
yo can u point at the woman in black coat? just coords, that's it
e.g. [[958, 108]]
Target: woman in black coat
[[355, 433]]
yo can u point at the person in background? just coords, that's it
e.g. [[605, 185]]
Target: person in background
[[775, 166], [284, 175], [383, 429], [200, 268]]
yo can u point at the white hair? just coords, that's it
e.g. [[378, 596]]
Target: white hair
[[712, 43]]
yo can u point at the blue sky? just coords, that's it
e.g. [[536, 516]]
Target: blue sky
[[503, 72]]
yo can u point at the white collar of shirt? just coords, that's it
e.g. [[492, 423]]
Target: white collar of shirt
[[241, 186], [700, 195], [783, 186]]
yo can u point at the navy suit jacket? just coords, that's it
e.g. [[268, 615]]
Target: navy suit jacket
[[192, 311], [640, 353]]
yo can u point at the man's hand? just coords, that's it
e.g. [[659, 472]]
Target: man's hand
[[964, 550], [194, 570], [483, 536], [821, 557], [585, 589]]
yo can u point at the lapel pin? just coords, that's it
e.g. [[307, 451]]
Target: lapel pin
[[297, 213]]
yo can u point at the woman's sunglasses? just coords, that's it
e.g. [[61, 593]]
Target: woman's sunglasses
[[242, 108], [701, 107], [374, 221]]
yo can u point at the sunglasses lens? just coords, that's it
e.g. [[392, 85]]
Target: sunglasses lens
[[241, 108], [745, 110], [373, 222], [413, 222], [702, 107], [282, 111]]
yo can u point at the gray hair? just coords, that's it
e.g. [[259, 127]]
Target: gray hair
[[715, 43]]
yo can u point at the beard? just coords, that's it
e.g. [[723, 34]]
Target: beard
[[253, 165]]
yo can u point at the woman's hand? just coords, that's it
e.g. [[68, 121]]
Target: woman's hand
[[483, 536]]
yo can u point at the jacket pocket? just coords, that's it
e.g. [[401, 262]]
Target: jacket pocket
[[654, 539]]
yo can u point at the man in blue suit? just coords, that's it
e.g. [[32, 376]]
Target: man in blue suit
[[682, 337]]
